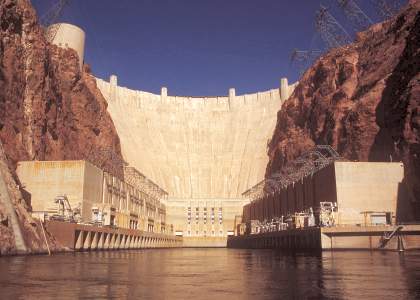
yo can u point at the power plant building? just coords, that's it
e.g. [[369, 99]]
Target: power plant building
[[98, 195], [363, 193]]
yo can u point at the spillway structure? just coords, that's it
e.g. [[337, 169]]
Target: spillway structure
[[204, 151]]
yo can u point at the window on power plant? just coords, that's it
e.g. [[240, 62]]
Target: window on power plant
[[189, 215]]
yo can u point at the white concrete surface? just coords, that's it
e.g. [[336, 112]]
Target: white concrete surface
[[366, 186], [194, 147], [70, 36]]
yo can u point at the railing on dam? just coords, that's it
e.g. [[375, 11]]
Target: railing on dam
[[80, 237]]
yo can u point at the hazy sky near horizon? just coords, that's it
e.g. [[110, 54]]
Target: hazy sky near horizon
[[197, 47]]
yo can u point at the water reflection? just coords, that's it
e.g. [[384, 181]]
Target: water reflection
[[211, 274]]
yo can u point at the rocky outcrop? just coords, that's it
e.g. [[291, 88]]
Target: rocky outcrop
[[49, 109], [363, 99]]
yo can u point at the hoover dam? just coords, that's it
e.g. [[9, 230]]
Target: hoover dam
[[201, 153], [204, 151], [137, 187]]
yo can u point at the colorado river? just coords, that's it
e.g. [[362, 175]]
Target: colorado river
[[211, 274]]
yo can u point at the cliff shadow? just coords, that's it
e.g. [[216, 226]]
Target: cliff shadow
[[398, 139]]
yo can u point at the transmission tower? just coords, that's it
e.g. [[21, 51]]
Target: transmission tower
[[387, 8], [355, 14], [50, 17], [330, 30], [303, 58]]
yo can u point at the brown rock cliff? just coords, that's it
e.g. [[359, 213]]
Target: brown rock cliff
[[363, 99], [49, 109]]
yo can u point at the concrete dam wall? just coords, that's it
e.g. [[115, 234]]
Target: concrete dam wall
[[209, 148], [195, 147]]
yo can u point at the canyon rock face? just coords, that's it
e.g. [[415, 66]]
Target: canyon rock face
[[49, 109], [362, 99]]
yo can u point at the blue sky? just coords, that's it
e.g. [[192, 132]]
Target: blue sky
[[197, 47]]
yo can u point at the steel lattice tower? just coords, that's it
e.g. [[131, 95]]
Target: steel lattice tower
[[387, 8], [355, 14], [302, 58], [51, 17], [330, 30]]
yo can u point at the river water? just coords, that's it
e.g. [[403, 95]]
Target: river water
[[218, 274]]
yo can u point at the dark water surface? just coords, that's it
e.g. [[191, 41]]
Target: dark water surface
[[211, 274]]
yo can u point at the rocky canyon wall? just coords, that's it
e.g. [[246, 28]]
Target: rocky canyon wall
[[363, 99], [49, 110]]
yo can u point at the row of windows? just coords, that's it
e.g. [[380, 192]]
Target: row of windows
[[134, 205], [204, 219], [204, 209], [197, 215], [197, 233], [134, 224], [204, 215]]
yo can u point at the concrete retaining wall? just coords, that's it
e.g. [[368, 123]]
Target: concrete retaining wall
[[309, 239], [83, 237], [333, 238]]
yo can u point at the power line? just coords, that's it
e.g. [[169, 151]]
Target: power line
[[303, 58], [50, 17], [387, 8], [305, 165], [355, 14], [331, 31]]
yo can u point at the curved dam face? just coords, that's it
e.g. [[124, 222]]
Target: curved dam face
[[204, 151]]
